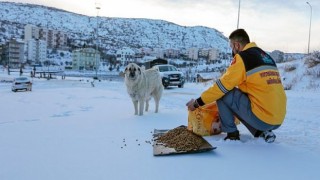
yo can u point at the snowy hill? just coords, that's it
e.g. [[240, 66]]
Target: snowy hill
[[113, 32], [302, 74]]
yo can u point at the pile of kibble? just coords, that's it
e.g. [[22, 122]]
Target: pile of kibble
[[181, 139]]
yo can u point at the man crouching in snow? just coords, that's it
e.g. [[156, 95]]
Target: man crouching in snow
[[250, 89]]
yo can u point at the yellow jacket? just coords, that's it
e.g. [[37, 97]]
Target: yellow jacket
[[256, 74]]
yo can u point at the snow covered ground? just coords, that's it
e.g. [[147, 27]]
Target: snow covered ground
[[69, 130]]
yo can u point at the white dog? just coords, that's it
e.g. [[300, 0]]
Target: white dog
[[142, 85]]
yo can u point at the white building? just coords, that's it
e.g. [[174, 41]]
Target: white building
[[193, 53], [213, 54], [85, 59], [125, 55], [54, 38], [31, 32], [36, 51]]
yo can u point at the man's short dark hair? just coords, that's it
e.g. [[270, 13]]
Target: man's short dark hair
[[240, 35]]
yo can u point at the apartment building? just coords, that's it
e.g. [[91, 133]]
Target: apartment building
[[125, 55], [31, 32], [13, 53], [193, 53], [213, 54], [203, 53], [61, 40], [171, 53], [36, 51], [85, 59], [54, 38]]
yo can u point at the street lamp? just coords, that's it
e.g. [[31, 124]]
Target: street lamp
[[238, 15], [96, 56], [309, 26]]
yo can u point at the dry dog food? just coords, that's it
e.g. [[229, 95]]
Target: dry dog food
[[181, 139]]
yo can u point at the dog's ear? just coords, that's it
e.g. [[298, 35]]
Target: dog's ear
[[125, 70], [139, 70]]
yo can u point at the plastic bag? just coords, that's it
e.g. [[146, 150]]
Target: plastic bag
[[205, 121]]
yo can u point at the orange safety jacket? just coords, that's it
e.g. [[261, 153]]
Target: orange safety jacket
[[256, 74]]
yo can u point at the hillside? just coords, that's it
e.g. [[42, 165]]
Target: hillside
[[302, 74], [113, 32]]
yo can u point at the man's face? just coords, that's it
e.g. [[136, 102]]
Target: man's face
[[235, 46]]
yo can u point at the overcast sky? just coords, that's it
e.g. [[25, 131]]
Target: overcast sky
[[272, 24]]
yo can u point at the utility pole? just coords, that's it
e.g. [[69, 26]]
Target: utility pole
[[309, 27], [238, 15]]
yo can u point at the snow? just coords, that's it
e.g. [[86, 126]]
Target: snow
[[113, 32], [67, 129]]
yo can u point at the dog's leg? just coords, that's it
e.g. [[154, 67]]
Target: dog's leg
[[157, 98], [157, 105], [147, 105], [135, 104], [141, 106]]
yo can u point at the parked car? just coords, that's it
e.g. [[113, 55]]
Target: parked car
[[171, 76], [21, 83]]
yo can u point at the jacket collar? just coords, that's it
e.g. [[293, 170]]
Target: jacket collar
[[249, 45]]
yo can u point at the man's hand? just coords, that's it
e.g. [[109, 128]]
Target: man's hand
[[192, 105]]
